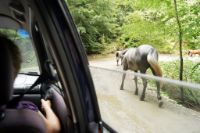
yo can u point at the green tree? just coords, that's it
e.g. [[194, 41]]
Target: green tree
[[180, 48], [134, 22], [94, 20]]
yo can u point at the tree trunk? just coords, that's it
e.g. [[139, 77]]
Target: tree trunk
[[180, 49]]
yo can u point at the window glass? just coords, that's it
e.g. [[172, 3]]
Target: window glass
[[22, 40], [110, 27], [29, 68]]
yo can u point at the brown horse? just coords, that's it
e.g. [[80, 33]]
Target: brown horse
[[193, 52], [140, 59]]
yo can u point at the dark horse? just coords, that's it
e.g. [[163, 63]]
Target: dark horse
[[140, 59]]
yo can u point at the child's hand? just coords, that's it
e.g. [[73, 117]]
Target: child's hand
[[51, 120], [45, 104]]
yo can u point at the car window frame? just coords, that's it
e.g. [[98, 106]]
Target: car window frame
[[57, 45]]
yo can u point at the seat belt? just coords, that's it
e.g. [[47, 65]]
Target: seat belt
[[42, 78], [14, 101]]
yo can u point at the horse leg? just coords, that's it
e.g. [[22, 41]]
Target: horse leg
[[158, 90], [158, 94], [136, 87], [122, 84], [144, 81]]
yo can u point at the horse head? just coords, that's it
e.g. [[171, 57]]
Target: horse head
[[189, 53], [119, 55]]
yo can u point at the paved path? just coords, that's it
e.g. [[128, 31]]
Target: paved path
[[123, 111]]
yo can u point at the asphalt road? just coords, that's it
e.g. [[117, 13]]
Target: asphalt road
[[123, 110]]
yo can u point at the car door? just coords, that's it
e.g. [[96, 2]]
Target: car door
[[63, 42]]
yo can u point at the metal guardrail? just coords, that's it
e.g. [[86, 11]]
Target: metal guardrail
[[164, 80]]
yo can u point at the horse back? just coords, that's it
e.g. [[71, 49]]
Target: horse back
[[136, 58], [143, 52]]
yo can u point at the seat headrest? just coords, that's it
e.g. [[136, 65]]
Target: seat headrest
[[6, 72]]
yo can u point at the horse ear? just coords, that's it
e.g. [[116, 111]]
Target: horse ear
[[125, 64]]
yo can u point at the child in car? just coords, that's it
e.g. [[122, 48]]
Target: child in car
[[51, 120]]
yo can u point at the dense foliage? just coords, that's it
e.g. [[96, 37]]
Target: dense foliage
[[94, 21], [134, 22]]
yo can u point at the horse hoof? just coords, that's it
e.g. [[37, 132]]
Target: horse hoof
[[136, 93], [141, 98], [160, 104], [121, 88]]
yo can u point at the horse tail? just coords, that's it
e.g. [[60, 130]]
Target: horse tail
[[152, 58]]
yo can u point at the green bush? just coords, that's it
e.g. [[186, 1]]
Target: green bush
[[191, 74]]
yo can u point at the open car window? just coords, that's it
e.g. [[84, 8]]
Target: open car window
[[159, 93]]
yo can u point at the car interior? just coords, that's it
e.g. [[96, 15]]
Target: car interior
[[60, 71], [16, 15]]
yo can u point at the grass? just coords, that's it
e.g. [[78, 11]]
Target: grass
[[190, 74]]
